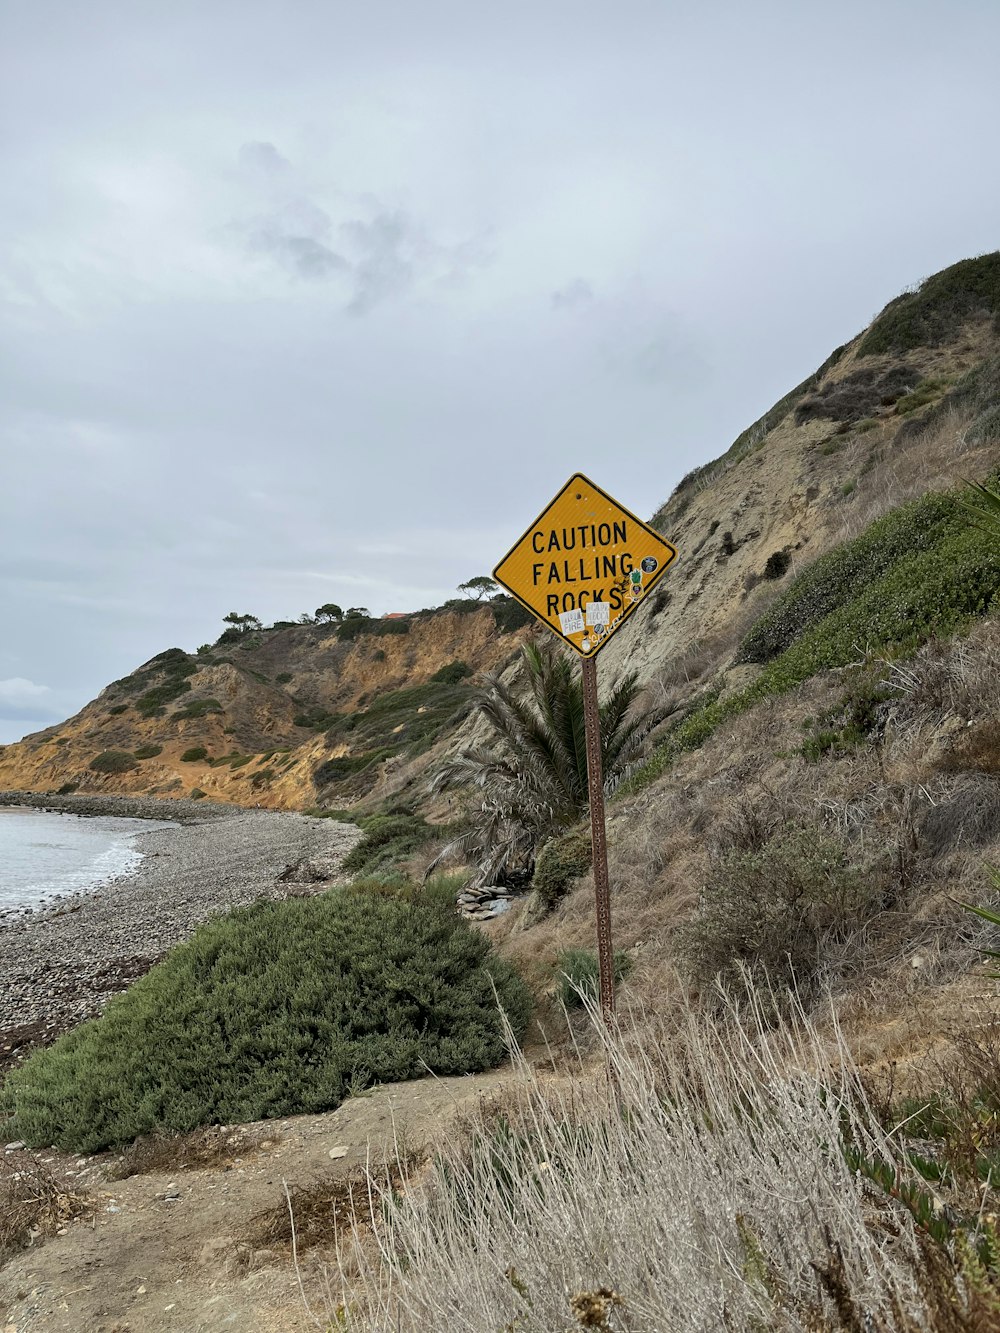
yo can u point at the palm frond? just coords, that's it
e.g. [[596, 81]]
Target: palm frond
[[984, 502], [529, 780]]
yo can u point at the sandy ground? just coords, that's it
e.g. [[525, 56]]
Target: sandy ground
[[140, 1262]]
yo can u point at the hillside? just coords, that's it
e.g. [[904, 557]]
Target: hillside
[[303, 715], [257, 713]]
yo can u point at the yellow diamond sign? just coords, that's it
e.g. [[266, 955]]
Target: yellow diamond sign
[[584, 565]]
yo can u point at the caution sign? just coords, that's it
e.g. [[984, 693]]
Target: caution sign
[[584, 565]]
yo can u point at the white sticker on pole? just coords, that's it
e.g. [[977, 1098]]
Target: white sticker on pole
[[571, 622], [598, 613]]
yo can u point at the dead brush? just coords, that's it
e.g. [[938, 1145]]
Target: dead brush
[[957, 677], [34, 1201], [324, 1212], [166, 1152]]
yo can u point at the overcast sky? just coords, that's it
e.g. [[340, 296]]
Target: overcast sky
[[309, 301]]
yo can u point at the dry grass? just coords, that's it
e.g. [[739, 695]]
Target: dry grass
[[901, 800], [701, 1187], [911, 464], [34, 1201]]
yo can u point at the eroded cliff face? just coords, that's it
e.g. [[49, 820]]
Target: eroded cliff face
[[253, 715]]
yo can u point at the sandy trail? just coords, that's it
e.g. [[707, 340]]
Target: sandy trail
[[143, 1264]]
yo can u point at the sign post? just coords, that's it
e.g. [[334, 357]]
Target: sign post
[[583, 567]]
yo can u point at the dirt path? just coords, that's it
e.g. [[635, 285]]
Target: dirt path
[[168, 1253]]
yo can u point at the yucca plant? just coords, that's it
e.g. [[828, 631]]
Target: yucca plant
[[530, 776]]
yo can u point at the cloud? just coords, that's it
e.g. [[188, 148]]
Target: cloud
[[577, 293], [389, 246], [263, 158], [297, 235], [24, 705], [381, 251], [17, 690]]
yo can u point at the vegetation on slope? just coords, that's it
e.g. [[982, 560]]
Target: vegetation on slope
[[919, 571], [938, 308], [274, 1010], [406, 721]]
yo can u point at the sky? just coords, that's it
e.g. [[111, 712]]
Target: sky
[[305, 302]]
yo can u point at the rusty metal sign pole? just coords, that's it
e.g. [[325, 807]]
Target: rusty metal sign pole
[[602, 888]]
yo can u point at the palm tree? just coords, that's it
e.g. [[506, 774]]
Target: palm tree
[[531, 774]]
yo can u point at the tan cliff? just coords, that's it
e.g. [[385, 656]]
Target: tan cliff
[[258, 707]]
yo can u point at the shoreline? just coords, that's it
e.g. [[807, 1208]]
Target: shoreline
[[123, 807], [62, 962]]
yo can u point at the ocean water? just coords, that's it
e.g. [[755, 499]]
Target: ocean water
[[43, 854]]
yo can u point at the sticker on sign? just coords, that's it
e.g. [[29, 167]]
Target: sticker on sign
[[571, 622], [598, 613]]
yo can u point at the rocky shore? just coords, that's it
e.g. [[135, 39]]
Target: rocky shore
[[59, 965], [122, 807]]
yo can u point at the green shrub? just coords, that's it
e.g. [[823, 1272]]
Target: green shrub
[[118, 710], [560, 862], [440, 890], [148, 751], [508, 614], [113, 761], [316, 718], [67, 789], [986, 427], [777, 565], [194, 754], [346, 765], [387, 839], [834, 579], [857, 719], [578, 973], [938, 308], [766, 914], [925, 392], [197, 708], [61, 740], [283, 678], [274, 1010], [196, 794], [452, 673]]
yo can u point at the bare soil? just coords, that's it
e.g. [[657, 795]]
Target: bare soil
[[174, 1253]]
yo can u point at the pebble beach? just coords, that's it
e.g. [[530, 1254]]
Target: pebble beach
[[60, 964]]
